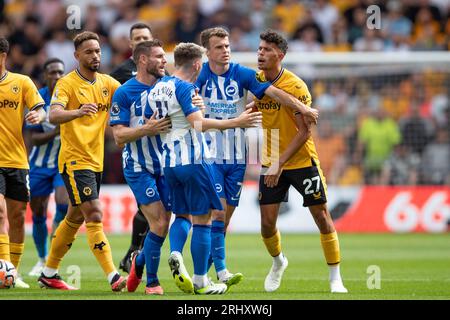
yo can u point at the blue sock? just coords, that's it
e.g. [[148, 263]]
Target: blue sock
[[40, 234], [218, 245], [140, 259], [179, 231], [61, 211], [200, 248], [152, 249]]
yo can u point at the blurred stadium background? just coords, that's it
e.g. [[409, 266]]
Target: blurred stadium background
[[382, 137]]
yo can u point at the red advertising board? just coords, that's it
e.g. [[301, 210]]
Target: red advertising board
[[398, 209]]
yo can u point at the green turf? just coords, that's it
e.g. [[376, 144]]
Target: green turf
[[413, 266]]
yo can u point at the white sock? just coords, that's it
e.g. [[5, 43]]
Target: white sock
[[200, 281], [49, 272], [111, 276], [222, 273], [335, 274], [278, 260]]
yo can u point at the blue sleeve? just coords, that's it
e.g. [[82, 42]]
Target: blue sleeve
[[185, 92], [120, 109], [34, 127], [249, 82]]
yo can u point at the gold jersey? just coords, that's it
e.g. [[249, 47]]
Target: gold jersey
[[279, 123], [16, 92], [83, 139]]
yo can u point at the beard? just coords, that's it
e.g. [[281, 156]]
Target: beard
[[93, 68], [154, 71]]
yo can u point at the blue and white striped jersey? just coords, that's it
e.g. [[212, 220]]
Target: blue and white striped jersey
[[45, 155], [128, 109], [225, 97], [183, 145]]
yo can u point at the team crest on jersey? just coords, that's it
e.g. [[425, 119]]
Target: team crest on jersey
[[218, 187], [232, 89], [87, 191], [15, 88], [115, 110], [105, 92], [150, 192]]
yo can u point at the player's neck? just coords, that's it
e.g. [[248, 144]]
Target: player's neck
[[190, 77], [219, 68], [2, 71], [146, 78], [87, 74], [272, 74]]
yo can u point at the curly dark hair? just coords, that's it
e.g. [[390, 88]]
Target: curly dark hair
[[274, 37], [4, 45]]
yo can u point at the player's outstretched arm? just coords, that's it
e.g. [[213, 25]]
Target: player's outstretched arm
[[247, 119], [59, 115], [310, 114]]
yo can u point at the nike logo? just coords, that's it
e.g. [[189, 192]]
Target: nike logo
[[298, 87], [133, 73], [209, 88], [219, 248], [234, 199]]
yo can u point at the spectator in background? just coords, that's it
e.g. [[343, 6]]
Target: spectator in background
[[290, 12], [426, 33], [416, 130], [401, 168], [435, 168], [306, 41], [119, 31], [330, 147], [161, 14], [325, 15], [396, 28], [369, 42], [189, 23], [339, 37], [62, 48], [357, 24], [377, 137]]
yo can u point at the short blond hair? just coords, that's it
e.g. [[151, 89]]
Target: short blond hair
[[186, 52], [212, 32]]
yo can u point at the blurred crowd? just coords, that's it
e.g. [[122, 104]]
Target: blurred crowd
[[391, 130]]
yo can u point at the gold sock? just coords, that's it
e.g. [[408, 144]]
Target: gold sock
[[273, 244], [62, 241], [4, 247], [100, 246], [330, 246], [16, 252]]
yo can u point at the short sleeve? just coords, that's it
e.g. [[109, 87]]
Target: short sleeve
[[32, 97], [60, 94], [120, 108], [250, 82], [114, 84], [185, 92]]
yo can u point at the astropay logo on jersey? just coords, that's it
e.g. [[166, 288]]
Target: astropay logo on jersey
[[9, 104]]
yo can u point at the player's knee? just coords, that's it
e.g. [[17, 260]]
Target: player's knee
[[267, 224], [94, 216], [324, 221], [218, 215]]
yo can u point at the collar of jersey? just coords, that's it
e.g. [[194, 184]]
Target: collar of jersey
[[81, 76], [278, 76], [4, 77]]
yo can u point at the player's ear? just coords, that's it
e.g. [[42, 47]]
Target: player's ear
[[76, 54]]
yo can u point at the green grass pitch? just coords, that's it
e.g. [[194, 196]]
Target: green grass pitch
[[412, 266]]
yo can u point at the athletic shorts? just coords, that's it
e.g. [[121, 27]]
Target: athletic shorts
[[148, 188], [192, 189], [228, 181], [43, 181], [309, 181], [15, 184], [81, 185]]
